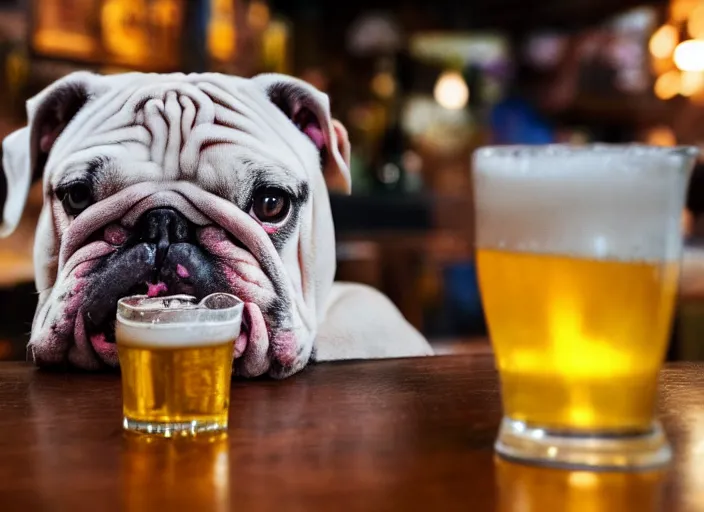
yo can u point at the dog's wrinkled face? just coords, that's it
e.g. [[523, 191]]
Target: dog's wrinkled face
[[193, 184]]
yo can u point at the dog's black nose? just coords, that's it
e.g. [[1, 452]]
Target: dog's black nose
[[163, 227]]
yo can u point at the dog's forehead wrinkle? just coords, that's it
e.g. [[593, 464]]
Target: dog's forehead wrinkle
[[251, 112], [97, 115], [89, 161], [219, 96], [184, 121], [99, 144]]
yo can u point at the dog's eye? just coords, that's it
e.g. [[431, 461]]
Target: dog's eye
[[270, 204], [76, 197]]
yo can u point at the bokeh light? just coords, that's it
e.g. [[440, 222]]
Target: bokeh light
[[451, 91], [695, 24], [667, 85], [689, 55], [680, 9], [661, 136], [691, 83], [383, 85], [664, 41]]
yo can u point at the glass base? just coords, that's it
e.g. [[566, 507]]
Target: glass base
[[521, 442], [173, 429]]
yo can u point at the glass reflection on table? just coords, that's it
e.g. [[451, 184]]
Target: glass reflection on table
[[187, 473], [524, 488]]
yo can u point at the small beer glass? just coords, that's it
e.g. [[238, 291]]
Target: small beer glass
[[176, 360], [578, 252]]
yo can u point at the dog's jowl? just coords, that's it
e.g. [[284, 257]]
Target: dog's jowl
[[195, 184]]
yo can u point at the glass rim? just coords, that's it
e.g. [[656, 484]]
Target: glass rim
[[632, 149], [151, 311]]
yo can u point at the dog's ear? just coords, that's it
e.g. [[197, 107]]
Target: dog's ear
[[25, 151], [17, 178], [309, 109]]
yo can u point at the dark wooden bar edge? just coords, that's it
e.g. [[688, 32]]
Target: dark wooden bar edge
[[406, 434]]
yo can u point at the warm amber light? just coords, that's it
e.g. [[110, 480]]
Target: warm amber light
[[680, 9], [60, 41], [451, 91], [274, 46], [661, 136], [222, 36], [384, 85], [532, 488], [123, 31], [695, 24], [692, 82], [667, 86], [660, 66], [689, 55], [258, 15], [663, 41], [166, 13]]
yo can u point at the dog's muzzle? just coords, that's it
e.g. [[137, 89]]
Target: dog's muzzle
[[167, 241], [161, 255]]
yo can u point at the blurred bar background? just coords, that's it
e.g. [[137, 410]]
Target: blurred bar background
[[419, 86]]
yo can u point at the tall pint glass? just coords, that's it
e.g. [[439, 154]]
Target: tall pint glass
[[578, 253]]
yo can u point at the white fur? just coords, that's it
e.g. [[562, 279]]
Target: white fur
[[212, 131]]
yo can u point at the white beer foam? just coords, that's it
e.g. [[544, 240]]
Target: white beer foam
[[597, 201], [175, 335]]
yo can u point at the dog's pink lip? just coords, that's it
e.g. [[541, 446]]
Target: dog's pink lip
[[101, 345], [243, 338], [156, 289], [241, 342], [105, 351]]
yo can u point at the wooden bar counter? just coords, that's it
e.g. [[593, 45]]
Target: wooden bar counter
[[407, 434]]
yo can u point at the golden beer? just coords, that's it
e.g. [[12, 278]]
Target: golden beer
[[579, 342], [168, 384], [578, 253], [176, 371]]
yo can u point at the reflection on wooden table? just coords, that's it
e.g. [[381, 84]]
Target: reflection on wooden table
[[183, 474], [523, 488], [404, 434]]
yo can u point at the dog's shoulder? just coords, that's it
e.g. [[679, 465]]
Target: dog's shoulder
[[362, 323]]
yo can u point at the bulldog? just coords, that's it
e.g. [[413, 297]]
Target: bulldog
[[193, 184]]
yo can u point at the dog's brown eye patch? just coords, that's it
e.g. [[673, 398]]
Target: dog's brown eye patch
[[271, 204]]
